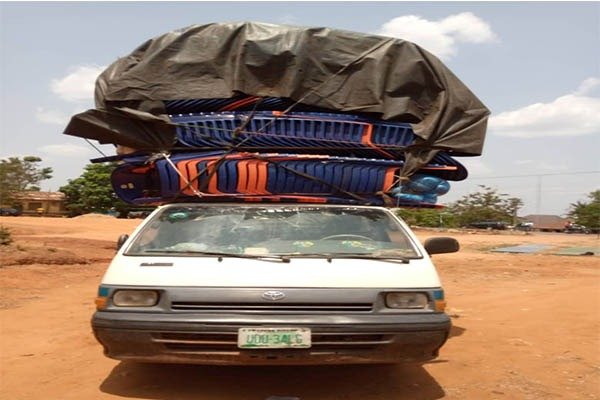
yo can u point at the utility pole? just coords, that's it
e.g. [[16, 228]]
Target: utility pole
[[539, 195]]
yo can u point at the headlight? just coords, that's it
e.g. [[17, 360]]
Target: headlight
[[408, 300], [135, 298]]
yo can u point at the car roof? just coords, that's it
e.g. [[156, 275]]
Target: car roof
[[274, 205]]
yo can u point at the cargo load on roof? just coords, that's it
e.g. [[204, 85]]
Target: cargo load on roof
[[382, 97]]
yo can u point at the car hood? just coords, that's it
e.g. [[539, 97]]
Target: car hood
[[299, 272]]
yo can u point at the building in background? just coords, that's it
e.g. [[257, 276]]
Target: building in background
[[547, 223], [41, 203]]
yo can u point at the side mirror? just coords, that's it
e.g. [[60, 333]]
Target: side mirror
[[121, 240], [439, 245]]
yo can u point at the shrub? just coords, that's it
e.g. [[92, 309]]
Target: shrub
[[5, 237]]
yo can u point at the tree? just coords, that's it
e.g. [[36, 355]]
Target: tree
[[19, 175], [427, 217], [93, 192], [587, 214], [486, 204], [512, 206]]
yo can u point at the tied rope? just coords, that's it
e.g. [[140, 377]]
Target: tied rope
[[167, 157], [189, 183]]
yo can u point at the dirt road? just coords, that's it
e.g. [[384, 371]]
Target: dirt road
[[525, 327]]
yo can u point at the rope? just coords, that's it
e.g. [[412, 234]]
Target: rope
[[166, 156], [239, 130], [243, 126], [310, 177], [314, 90], [97, 149], [189, 183], [234, 135], [359, 58]]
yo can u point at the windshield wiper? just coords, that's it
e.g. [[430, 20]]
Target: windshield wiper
[[360, 256], [266, 257]]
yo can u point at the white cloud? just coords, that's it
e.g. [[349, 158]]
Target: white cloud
[[539, 166], [57, 117], [78, 85], [288, 19], [574, 114], [542, 167], [69, 150], [524, 162], [51, 116], [587, 86], [476, 167], [443, 36]]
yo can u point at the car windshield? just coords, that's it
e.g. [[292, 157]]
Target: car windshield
[[259, 230]]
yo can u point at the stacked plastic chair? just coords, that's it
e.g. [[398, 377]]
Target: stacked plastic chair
[[252, 149]]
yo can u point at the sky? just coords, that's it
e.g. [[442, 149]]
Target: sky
[[536, 66]]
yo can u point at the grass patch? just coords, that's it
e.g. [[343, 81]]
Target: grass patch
[[496, 246]]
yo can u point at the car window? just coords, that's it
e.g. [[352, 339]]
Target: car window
[[273, 230]]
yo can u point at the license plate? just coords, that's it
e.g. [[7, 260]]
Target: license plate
[[273, 338]]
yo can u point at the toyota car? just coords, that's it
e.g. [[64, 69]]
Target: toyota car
[[252, 284]]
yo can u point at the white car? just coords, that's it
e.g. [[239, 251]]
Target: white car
[[273, 284]]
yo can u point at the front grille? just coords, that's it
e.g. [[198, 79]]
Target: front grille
[[273, 307], [218, 342], [195, 342]]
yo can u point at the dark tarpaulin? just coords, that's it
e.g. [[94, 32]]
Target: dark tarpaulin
[[124, 126], [388, 78]]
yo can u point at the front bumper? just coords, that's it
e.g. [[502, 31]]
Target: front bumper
[[212, 339]]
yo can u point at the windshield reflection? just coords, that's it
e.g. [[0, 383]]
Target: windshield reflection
[[259, 230]]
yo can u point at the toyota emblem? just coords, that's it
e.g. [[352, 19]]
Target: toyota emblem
[[273, 295]]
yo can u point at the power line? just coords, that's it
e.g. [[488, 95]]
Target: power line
[[535, 175], [539, 181]]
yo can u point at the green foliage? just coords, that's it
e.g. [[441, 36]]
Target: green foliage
[[20, 174], [5, 237], [587, 213], [93, 192], [427, 217], [484, 205]]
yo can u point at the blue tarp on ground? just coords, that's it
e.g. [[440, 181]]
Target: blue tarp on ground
[[579, 251], [522, 248]]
